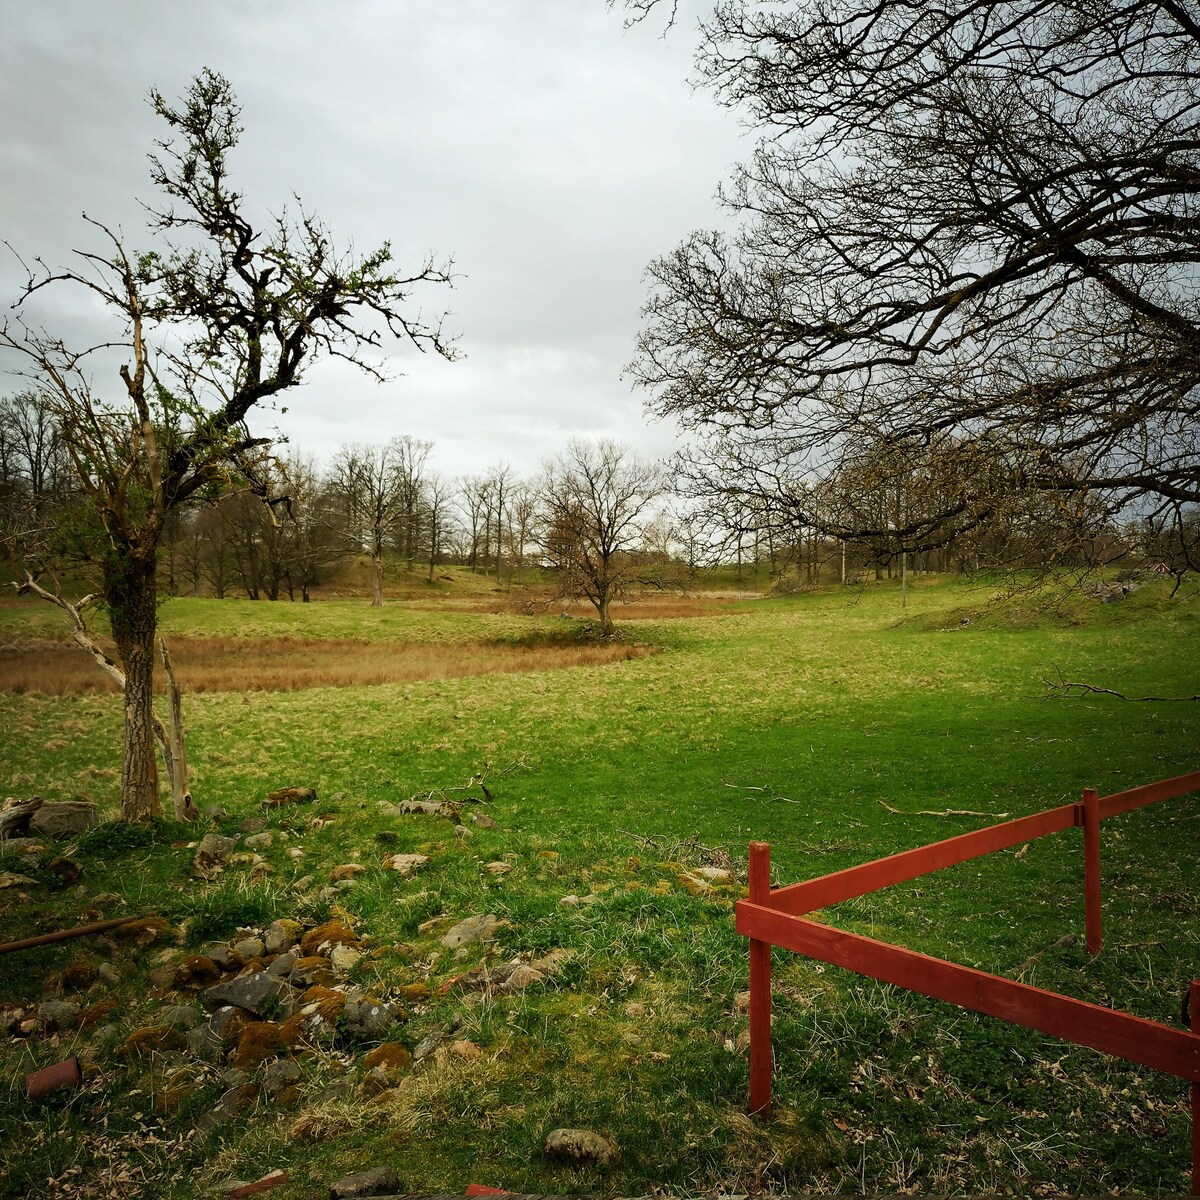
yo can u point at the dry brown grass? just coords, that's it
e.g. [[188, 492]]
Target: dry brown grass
[[294, 664], [644, 608]]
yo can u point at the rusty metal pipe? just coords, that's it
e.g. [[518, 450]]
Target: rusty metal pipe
[[50, 1079], [64, 935]]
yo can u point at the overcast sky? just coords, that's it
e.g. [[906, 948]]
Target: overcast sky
[[546, 149]]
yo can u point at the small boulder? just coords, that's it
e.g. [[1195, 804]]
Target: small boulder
[[282, 797], [405, 864], [54, 1015], [260, 841], [378, 1181], [64, 819], [154, 1039], [323, 938], [390, 1057], [178, 1016], [259, 993], [280, 1075], [311, 971], [282, 965], [581, 1147], [213, 852], [369, 1020], [145, 931], [343, 958], [78, 975], [67, 870], [197, 970], [282, 935], [224, 957], [258, 1041], [346, 871], [479, 928], [249, 947]]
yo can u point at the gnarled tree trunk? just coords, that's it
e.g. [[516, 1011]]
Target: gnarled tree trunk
[[130, 588]]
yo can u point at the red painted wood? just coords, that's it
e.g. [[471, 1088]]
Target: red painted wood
[[760, 987], [1175, 1051], [1194, 998], [1091, 869], [1139, 797], [804, 897]]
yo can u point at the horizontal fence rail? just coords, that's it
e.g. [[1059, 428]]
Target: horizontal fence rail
[[774, 917]]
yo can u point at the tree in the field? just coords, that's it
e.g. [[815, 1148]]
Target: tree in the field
[[369, 483], [216, 321], [597, 497], [967, 227]]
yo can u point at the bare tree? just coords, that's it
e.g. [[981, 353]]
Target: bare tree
[[436, 516], [596, 498], [215, 321], [369, 483], [970, 226]]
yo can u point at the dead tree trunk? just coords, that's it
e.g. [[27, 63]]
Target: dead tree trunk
[[174, 750]]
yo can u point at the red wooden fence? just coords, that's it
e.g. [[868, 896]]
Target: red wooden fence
[[775, 918]]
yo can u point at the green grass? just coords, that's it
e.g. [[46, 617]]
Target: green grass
[[788, 721]]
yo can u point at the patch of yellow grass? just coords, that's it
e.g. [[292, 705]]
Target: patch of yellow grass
[[226, 664]]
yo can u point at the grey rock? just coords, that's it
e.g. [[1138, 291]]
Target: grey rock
[[53, 1015], [202, 1043], [303, 883], [231, 1104], [474, 929], [178, 1016], [282, 966], [235, 1077], [427, 1045], [582, 1147], [260, 841], [250, 947], [104, 1034], [280, 1074], [282, 935], [368, 1021], [107, 899], [215, 848], [262, 994], [405, 864], [378, 1181], [339, 1089], [64, 819], [483, 821], [224, 957], [108, 973]]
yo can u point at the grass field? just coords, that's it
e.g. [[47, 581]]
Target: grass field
[[785, 719]]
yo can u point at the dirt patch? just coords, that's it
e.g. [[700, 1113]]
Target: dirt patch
[[295, 664]]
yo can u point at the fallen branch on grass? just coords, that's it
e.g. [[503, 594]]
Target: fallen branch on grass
[[1063, 943], [677, 850], [478, 780], [942, 812], [1067, 687]]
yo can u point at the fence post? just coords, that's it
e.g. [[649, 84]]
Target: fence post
[[1091, 868], [1194, 1003], [760, 987]]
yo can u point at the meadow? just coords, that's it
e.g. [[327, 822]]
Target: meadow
[[828, 723]]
